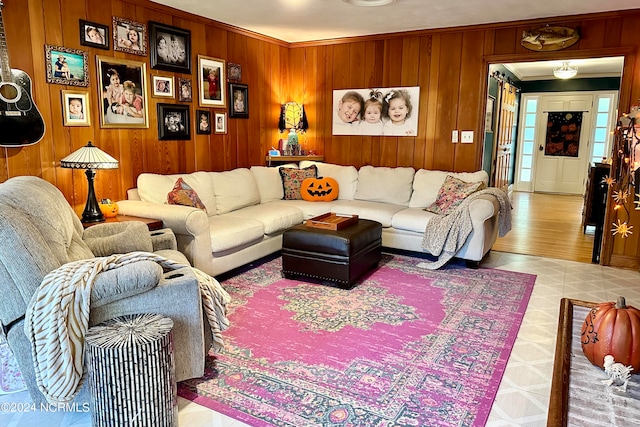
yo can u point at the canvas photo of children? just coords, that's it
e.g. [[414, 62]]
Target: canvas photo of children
[[389, 111]]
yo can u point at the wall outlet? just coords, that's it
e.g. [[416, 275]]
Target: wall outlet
[[454, 136], [467, 136]]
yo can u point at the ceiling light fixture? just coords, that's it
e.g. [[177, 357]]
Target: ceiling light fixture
[[565, 72], [369, 3]]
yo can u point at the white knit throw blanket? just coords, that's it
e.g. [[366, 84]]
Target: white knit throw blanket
[[57, 318], [444, 235]]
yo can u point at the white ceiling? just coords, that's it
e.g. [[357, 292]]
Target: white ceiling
[[306, 20], [587, 68]]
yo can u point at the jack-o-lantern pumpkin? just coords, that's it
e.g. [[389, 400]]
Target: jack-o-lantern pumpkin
[[321, 189], [612, 328], [109, 210]]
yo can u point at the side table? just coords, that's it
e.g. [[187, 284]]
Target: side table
[[152, 223], [131, 372]]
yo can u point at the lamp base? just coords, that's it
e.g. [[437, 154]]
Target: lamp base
[[92, 212]]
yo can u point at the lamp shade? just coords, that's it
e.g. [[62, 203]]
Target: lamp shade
[[292, 116], [89, 157], [565, 72]]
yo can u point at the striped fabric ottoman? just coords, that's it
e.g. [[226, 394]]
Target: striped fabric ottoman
[[131, 372]]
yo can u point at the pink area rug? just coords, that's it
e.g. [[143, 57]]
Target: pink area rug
[[405, 347]]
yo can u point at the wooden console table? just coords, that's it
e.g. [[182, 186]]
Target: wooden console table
[[578, 398], [153, 224], [286, 159]]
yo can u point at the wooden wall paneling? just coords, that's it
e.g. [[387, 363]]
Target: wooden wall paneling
[[328, 106], [506, 40], [424, 70], [613, 28], [236, 52], [392, 77], [321, 97], [217, 46], [258, 108], [359, 75], [306, 59], [593, 37], [338, 145], [448, 92], [201, 143], [432, 102], [471, 102]]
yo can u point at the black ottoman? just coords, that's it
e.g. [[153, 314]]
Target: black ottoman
[[339, 256]]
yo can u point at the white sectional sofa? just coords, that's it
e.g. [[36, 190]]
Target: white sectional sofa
[[245, 215]]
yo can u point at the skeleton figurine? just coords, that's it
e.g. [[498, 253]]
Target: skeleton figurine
[[618, 374]]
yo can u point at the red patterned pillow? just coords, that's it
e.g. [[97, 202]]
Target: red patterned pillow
[[292, 180], [183, 194], [451, 194]]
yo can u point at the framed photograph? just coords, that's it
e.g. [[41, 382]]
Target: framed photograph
[[238, 101], [211, 82], [163, 87], [173, 122], [94, 35], [129, 36], [75, 108], [221, 122], [170, 48], [488, 117], [185, 93], [204, 122], [66, 66], [122, 91], [234, 72]]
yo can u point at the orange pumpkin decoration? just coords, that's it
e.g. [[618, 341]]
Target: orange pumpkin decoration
[[109, 210], [612, 328], [319, 189]]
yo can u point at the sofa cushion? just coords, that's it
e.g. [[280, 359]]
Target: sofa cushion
[[154, 188], [309, 210], [275, 218], [427, 183], [451, 194], [183, 194], [375, 211], [292, 180], [347, 177], [228, 232], [269, 181], [383, 184], [412, 219], [234, 189]]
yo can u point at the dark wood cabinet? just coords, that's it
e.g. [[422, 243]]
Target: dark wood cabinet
[[593, 209]]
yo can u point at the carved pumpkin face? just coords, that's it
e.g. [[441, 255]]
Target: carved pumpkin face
[[109, 210], [319, 189]]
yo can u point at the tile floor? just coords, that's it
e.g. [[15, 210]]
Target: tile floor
[[523, 397]]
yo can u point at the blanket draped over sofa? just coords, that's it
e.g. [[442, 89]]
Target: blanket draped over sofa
[[444, 235], [57, 318]]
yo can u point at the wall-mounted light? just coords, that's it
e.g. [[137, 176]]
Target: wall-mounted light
[[565, 72], [293, 118]]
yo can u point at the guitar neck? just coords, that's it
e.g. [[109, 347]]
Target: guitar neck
[[4, 52]]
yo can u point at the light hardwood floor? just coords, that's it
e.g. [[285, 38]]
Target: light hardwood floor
[[547, 225]]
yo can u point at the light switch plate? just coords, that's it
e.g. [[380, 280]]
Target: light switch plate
[[467, 137], [454, 136]]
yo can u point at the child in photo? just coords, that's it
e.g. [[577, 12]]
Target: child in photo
[[397, 111], [371, 123], [204, 123], [113, 92], [238, 103], [347, 115], [75, 109]]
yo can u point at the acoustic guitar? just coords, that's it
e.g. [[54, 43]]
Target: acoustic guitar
[[21, 123]]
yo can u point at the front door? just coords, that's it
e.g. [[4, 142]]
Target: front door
[[563, 144]]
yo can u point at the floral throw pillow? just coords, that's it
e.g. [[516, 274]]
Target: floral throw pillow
[[451, 194], [292, 180], [183, 194]]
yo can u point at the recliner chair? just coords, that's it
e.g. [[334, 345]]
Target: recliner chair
[[40, 232]]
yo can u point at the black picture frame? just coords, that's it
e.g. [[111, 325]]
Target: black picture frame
[[202, 129], [238, 101], [173, 122], [102, 42], [165, 59]]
